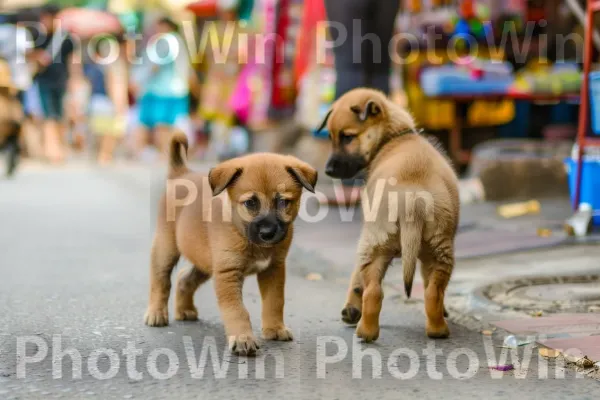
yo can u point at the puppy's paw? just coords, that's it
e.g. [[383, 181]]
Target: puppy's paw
[[157, 316], [283, 334], [439, 331], [351, 315], [243, 345], [186, 315], [367, 333]]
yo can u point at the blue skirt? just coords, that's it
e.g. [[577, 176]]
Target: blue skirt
[[161, 110]]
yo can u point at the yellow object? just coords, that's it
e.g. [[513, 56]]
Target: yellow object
[[108, 125], [549, 353], [519, 209], [491, 113], [544, 232]]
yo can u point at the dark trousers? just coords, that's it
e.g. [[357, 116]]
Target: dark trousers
[[363, 59], [9, 142]]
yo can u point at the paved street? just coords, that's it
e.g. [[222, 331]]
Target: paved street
[[74, 254]]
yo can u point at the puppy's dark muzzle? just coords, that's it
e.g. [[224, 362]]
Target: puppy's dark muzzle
[[267, 230], [344, 166]]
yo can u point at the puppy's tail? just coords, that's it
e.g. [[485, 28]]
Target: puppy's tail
[[411, 233], [178, 154]]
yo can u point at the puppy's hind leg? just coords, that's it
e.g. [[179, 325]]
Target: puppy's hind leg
[[438, 267], [164, 258], [188, 281]]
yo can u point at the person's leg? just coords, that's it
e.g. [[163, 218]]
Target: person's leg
[[146, 118], [51, 126], [108, 143], [381, 23], [342, 15]]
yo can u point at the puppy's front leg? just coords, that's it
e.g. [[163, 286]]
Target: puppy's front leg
[[228, 286], [352, 309], [272, 285]]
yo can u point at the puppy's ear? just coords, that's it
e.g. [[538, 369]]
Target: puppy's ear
[[303, 173], [371, 109], [324, 123], [222, 176]]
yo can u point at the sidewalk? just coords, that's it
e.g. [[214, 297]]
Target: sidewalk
[[539, 266]]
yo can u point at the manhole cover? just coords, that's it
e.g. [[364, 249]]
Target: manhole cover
[[553, 294]]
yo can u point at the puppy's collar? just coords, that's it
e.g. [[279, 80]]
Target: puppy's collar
[[393, 136]]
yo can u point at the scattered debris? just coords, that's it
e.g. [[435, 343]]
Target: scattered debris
[[487, 332], [581, 362], [585, 362], [549, 353], [477, 317], [514, 210], [512, 342], [537, 313], [97, 333], [507, 367], [313, 276], [544, 232], [594, 308], [235, 361], [580, 223]]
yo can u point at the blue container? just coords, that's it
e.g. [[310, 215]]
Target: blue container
[[590, 184], [595, 101]]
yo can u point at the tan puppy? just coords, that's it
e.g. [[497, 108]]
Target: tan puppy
[[410, 205], [245, 229]]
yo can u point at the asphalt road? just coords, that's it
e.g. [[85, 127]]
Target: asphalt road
[[74, 252]]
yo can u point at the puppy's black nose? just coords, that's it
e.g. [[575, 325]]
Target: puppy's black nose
[[331, 167], [267, 231]]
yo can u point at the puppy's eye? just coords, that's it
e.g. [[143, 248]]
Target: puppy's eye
[[346, 139], [283, 203], [251, 203]]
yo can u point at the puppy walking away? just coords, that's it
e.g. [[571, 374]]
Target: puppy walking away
[[241, 225], [413, 190]]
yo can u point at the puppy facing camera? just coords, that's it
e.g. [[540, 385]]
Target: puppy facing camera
[[235, 222]]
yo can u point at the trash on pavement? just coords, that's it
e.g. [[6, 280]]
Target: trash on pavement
[[537, 313], [512, 342], [585, 362], [487, 332], [580, 223], [313, 276], [519, 209], [507, 367], [544, 232], [581, 362], [549, 353]]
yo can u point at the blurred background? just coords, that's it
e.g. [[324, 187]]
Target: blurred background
[[90, 92]]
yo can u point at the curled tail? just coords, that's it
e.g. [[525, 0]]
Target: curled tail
[[411, 233], [178, 153]]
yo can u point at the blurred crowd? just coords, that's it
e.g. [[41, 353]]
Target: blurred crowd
[[80, 80], [78, 90]]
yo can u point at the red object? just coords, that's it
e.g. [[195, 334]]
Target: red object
[[85, 22], [280, 96], [313, 13], [203, 8], [467, 9], [584, 111]]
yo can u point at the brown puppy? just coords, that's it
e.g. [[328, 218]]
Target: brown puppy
[[410, 205], [246, 228]]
